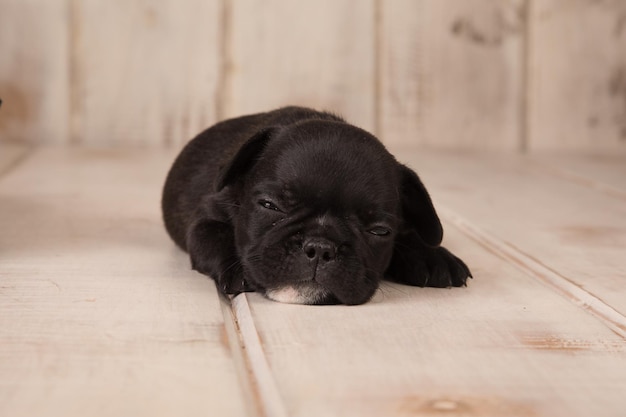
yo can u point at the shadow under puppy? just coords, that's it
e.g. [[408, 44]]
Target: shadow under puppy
[[304, 208]]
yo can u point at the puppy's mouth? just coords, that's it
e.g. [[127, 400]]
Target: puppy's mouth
[[309, 292]]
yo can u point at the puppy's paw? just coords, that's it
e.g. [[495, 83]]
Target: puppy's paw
[[229, 279], [444, 269], [428, 267], [234, 285], [212, 251]]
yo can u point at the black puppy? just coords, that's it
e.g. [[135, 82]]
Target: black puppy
[[304, 208]]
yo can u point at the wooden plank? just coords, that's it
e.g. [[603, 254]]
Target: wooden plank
[[535, 268], [572, 229], [33, 71], [451, 73], [605, 172], [99, 312], [146, 71], [578, 75], [505, 345], [11, 155], [318, 54], [400, 58], [262, 381]]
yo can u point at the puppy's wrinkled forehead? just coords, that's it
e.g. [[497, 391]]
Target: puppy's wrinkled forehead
[[332, 163]]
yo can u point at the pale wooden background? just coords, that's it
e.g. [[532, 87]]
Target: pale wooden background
[[100, 314], [480, 74]]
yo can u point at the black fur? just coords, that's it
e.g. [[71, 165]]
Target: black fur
[[300, 199]]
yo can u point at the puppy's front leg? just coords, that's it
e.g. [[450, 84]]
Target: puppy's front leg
[[415, 263], [212, 250]]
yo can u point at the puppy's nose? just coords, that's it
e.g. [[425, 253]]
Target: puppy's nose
[[317, 249]]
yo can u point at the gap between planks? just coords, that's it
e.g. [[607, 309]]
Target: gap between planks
[[252, 365], [533, 267]]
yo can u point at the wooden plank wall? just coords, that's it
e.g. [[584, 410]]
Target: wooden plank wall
[[34, 84], [578, 75], [451, 73], [469, 74], [146, 71]]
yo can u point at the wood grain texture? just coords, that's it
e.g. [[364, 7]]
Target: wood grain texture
[[318, 54], [270, 403], [34, 87], [534, 267], [514, 74], [12, 154], [451, 73], [100, 314], [572, 229], [400, 60], [505, 345], [146, 71], [578, 75], [600, 171]]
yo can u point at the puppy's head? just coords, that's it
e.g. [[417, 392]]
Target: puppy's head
[[316, 207]]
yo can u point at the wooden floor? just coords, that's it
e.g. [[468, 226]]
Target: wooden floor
[[101, 316]]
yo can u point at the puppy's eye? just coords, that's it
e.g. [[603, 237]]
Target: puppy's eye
[[380, 231], [268, 205]]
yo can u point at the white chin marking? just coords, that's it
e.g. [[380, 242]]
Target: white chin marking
[[286, 295], [310, 293]]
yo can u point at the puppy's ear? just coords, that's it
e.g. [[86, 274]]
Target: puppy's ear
[[245, 158], [417, 208]]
